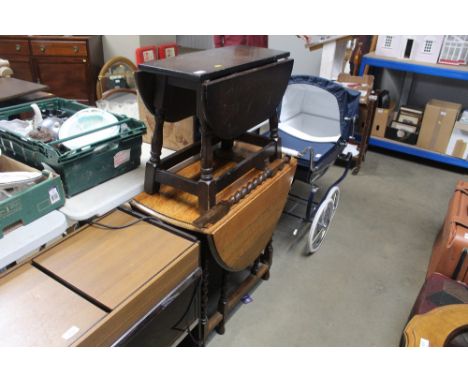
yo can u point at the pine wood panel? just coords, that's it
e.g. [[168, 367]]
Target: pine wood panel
[[437, 325], [181, 208], [36, 310], [110, 265], [117, 322], [240, 236]]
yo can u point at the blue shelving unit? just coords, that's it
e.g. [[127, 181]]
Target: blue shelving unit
[[439, 70], [447, 71], [417, 151]]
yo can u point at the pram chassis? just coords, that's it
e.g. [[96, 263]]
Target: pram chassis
[[318, 215], [316, 118]]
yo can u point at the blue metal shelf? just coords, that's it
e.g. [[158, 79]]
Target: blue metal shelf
[[418, 152], [437, 70]]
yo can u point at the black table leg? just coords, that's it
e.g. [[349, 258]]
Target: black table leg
[[222, 303], [226, 144], [274, 133], [151, 187], [207, 192], [267, 258]]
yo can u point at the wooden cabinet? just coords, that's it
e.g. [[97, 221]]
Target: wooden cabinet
[[101, 287], [27, 295], [16, 50], [68, 65]]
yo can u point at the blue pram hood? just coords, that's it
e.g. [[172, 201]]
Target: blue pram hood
[[348, 100]]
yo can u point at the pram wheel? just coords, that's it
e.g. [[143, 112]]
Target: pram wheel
[[322, 219], [319, 226], [334, 196]]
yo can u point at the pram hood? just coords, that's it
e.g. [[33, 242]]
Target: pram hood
[[318, 110]]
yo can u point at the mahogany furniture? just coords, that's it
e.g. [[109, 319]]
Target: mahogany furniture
[[100, 285], [11, 88], [229, 90], [68, 65]]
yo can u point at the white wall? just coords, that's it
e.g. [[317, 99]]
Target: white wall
[[120, 46], [156, 40], [305, 61], [196, 41]]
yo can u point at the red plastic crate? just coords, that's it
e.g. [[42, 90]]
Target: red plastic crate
[[146, 53], [167, 50]]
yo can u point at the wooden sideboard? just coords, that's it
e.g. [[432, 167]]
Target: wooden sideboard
[[69, 65]]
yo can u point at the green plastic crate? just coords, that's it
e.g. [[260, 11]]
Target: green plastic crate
[[30, 204], [82, 168]]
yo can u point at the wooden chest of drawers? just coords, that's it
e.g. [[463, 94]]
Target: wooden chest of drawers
[[69, 65]]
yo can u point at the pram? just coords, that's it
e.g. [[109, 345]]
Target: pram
[[316, 118]]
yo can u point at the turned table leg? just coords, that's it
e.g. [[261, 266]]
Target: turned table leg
[[222, 304], [204, 302], [151, 187], [206, 194], [274, 133]]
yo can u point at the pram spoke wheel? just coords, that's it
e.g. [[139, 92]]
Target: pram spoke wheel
[[334, 196], [320, 224]]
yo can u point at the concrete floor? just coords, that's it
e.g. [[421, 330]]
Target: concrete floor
[[359, 288]]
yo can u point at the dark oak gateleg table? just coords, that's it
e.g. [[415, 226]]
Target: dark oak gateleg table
[[229, 90]]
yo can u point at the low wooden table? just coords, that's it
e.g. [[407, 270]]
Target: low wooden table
[[237, 239], [229, 90], [95, 287]]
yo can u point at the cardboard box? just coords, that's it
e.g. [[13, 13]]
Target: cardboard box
[[176, 135], [363, 84], [437, 125], [402, 132], [382, 119], [458, 143]]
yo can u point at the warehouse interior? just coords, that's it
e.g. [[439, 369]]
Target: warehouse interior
[[263, 193]]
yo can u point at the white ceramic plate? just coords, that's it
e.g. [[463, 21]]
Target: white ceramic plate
[[87, 120]]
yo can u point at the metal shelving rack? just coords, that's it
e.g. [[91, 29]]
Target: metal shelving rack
[[414, 67]]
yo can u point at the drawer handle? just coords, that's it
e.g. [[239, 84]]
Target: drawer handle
[[76, 49], [18, 47], [42, 48]]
